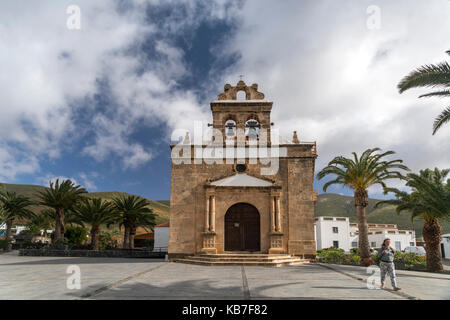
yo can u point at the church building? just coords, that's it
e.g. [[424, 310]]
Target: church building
[[236, 204]]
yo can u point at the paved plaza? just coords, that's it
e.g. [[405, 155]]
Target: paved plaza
[[111, 278]]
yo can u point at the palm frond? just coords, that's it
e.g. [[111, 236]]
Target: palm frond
[[441, 119], [359, 173], [442, 94], [432, 75]]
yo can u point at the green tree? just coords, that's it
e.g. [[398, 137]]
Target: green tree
[[75, 235], [13, 207], [359, 174], [430, 201], [42, 221], [133, 212], [434, 76], [94, 212], [61, 197]]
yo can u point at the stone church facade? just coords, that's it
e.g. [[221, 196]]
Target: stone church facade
[[232, 205]]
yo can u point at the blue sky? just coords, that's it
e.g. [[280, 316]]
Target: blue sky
[[98, 104]]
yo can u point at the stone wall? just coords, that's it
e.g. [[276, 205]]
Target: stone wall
[[295, 178], [91, 253]]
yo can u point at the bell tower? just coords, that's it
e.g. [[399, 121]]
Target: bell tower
[[247, 119], [248, 198]]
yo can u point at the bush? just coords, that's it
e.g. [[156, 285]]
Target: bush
[[376, 259], [355, 259], [409, 260], [332, 255], [33, 245], [26, 232], [61, 242], [76, 235], [105, 241], [402, 260], [368, 262], [4, 244]]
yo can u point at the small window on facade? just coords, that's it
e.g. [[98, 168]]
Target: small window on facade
[[335, 230], [336, 244], [373, 244], [411, 244], [354, 244], [398, 245]]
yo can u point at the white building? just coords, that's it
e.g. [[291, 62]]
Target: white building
[[14, 230], [445, 246], [161, 236], [332, 232], [338, 232]]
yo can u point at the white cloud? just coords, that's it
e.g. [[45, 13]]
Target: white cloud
[[334, 81], [13, 162], [48, 70], [85, 180], [330, 78]]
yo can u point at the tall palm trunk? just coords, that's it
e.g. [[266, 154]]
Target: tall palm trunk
[[59, 223], [126, 238], [9, 235], [95, 232], [62, 223], [132, 234], [432, 236], [361, 202]]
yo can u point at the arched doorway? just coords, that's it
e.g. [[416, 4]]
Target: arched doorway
[[242, 228]]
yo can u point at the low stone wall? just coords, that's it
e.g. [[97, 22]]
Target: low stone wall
[[91, 253]]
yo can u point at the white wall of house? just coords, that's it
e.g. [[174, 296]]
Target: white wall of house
[[18, 229], [400, 239], [161, 237], [346, 234], [332, 232], [446, 244]]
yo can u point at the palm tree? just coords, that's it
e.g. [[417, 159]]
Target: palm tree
[[133, 212], [61, 197], [359, 174], [432, 75], [94, 212], [45, 220], [429, 200], [13, 206]]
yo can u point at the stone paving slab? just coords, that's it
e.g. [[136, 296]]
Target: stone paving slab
[[418, 284], [309, 282], [111, 278], [45, 277], [183, 281]]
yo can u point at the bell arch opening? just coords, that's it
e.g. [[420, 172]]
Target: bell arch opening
[[252, 129], [242, 228]]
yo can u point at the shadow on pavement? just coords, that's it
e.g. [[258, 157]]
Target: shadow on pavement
[[183, 290]]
